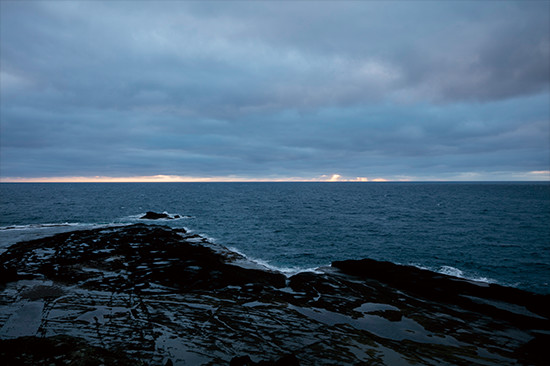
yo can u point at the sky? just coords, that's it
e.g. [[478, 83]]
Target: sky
[[274, 91]]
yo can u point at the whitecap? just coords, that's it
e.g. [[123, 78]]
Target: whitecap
[[256, 263], [38, 226], [451, 271], [456, 272]]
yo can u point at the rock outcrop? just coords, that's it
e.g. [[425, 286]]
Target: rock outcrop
[[151, 295], [150, 215]]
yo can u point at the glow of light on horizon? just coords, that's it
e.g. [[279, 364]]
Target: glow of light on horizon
[[162, 178], [537, 175], [339, 178], [335, 178]]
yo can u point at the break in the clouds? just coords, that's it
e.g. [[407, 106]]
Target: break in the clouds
[[275, 90]]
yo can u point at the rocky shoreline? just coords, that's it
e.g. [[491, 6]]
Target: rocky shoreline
[[152, 295]]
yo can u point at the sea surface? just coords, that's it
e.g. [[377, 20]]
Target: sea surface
[[492, 232]]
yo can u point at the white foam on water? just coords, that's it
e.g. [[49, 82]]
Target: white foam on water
[[39, 226], [262, 264], [456, 272], [452, 271]]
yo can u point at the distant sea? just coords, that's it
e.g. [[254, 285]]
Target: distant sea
[[492, 232]]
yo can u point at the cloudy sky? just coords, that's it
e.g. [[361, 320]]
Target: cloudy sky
[[400, 90]]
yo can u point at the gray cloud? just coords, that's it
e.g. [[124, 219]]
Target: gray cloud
[[271, 89]]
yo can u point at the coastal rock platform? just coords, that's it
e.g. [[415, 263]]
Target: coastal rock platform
[[154, 295]]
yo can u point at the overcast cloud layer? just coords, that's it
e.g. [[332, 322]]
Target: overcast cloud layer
[[274, 90]]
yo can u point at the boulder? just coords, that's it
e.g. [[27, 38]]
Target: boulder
[[150, 215]]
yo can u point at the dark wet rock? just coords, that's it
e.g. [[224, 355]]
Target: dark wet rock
[[481, 297], [158, 296], [535, 351], [150, 215], [285, 360], [391, 315], [142, 255], [241, 361], [58, 350], [7, 273], [42, 292]]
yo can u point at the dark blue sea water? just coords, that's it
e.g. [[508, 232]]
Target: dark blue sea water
[[495, 232]]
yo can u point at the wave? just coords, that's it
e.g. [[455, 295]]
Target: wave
[[455, 272], [126, 220], [39, 226], [251, 262], [13, 234], [79, 225]]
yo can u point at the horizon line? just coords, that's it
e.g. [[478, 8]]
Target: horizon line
[[533, 176], [284, 181], [162, 178]]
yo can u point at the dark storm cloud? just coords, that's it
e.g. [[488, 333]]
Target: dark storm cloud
[[444, 51], [273, 89]]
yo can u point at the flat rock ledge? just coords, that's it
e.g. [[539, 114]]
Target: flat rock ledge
[[152, 295]]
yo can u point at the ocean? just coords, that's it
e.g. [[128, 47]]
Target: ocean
[[492, 232]]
